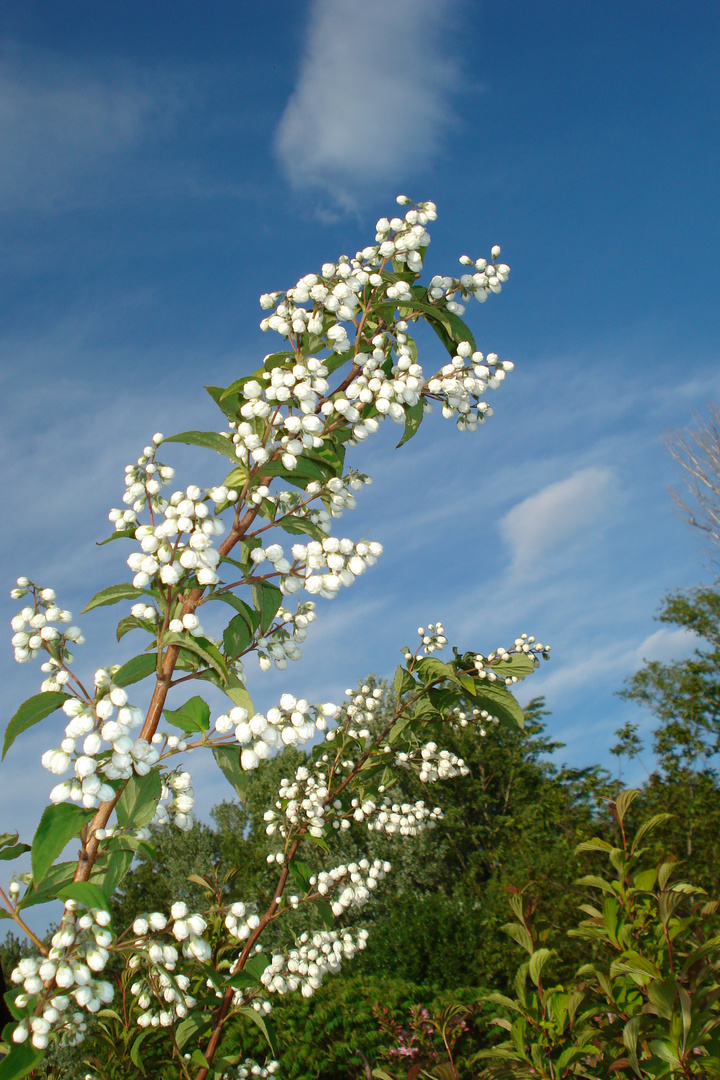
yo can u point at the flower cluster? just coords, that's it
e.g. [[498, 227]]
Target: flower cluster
[[65, 978], [106, 723], [403, 819], [282, 641], [315, 955], [488, 667], [250, 1068], [240, 920], [159, 983], [301, 801], [143, 484], [434, 639], [34, 632], [177, 800], [351, 885], [291, 722], [165, 552], [342, 559], [479, 718], [321, 304], [432, 764]]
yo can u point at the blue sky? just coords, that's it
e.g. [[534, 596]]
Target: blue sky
[[164, 164]]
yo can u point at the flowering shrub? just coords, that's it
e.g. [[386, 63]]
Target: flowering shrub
[[347, 362]]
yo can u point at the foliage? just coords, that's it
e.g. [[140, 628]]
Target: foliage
[[646, 1003]]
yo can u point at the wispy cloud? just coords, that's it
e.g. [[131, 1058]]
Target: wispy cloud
[[61, 125], [559, 516], [372, 96]]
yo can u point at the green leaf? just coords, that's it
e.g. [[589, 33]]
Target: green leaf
[[230, 404], [301, 873], [22, 1058], [624, 800], [109, 876], [664, 1050], [537, 962], [194, 715], [58, 825], [112, 595], [252, 617], [403, 681], [228, 759], [130, 622], [237, 636], [137, 803], [430, 669], [135, 1052], [298, 526], [326, 914], [119, 534], [136, 669], [201, 647], [87, 894], [652, 823], [210, 440], [32, 712], [239, 696], [499, 702], [264, 1026], [236, 478], [14, 852], [398, 727], [520, 934], [191, 1026], [267, 598], [413, 420], [59, 875]]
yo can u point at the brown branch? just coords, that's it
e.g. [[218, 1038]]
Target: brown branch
[[224, 1009], [89, 852]]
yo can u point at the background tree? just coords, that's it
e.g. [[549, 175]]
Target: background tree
[[697, 449]]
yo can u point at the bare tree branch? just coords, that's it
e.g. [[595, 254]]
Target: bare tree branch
[[697, 450]]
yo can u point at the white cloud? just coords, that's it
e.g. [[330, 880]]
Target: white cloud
[[560, 515], [372, 95], [63, 127]]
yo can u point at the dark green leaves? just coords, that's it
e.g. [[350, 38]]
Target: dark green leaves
[[112, 595], [237, 636], [413, 419], [136, 805], [228, 758], [58, 825], [136, 669], [10, 848], [21, 1060], [250, 974], [403, 682], [208, 439], [32, 712], [194, 715], [56, 878], [264, 1024], [267, 599]]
